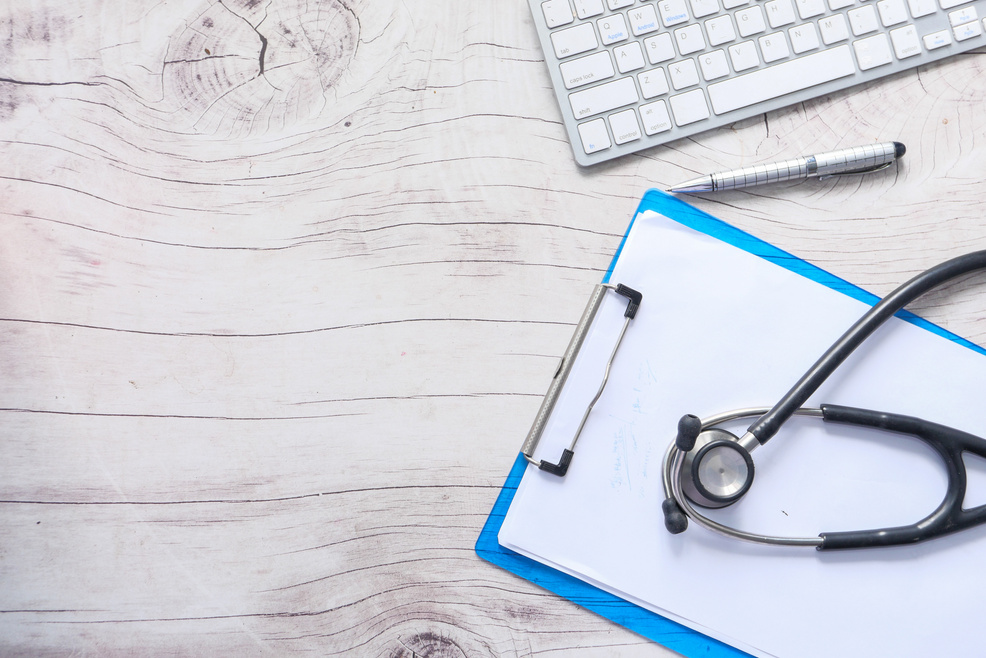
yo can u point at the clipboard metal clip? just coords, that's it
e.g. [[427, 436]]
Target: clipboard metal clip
[[565, 367]]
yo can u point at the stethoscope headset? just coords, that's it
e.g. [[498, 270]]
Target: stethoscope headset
[[707, 466]]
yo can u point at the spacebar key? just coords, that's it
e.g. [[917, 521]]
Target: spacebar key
[[786, 78]]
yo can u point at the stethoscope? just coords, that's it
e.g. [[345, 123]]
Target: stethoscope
[[710, 467]]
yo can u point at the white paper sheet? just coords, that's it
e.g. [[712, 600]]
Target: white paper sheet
[[721, 329]]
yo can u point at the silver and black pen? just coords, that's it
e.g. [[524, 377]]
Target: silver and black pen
[[856, 160]]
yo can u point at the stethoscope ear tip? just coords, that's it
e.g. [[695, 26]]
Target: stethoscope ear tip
[[689, 427], [674, 518]]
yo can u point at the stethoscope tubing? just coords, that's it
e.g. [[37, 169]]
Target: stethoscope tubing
[[770, 422]]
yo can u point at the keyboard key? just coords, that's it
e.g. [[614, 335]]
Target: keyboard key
[[703, 8], [836, 5], [683, 74], [810, 8], [594, 136], [619, 4], [773, 47], [689, 39], [673, 12], [948, 4], [653, 83], [574, 40], [713, 65], [892, 12], [582, 71], [625, 126], [967, 31], [937, 40], [659, 48], [720, 30], [588, 8], [629, 57], [873, 51], [921, 8], [642, 20], [779, 13], [785, 78], [603, 98], [655, 117], [733, 4], [689, 107], [803, 38], [905, 41], [744, 56], [863, 20], [834, 29], [962, 16], [612, 29], [750, 21], [557, 13]]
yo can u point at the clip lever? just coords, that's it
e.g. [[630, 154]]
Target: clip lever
[[568, 360]]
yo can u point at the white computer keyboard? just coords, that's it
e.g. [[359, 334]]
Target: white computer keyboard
[[630, 74]]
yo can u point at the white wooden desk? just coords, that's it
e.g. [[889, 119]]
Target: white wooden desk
[[270, 340]]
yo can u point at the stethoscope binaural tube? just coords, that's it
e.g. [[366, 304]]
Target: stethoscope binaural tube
[[709, 467], [678, 509]]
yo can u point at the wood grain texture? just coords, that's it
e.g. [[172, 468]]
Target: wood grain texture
[[282, 284]]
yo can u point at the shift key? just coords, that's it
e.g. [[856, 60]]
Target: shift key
[[603, 98]]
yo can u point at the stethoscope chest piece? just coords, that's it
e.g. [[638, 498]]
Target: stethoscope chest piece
[[717, 471]]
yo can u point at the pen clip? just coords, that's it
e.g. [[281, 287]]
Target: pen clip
[[858, 172]]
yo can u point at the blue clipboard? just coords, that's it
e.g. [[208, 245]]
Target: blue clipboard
[[664, 631]]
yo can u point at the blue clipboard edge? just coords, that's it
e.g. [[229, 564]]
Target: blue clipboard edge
[[671, 634]]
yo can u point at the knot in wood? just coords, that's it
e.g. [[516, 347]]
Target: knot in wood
[[245, 67], [428, 644]]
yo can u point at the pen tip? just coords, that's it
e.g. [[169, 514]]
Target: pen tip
[[899, 149]]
